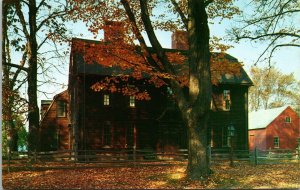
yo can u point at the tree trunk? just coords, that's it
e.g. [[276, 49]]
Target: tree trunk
[[200, 91], [8, 96], [198, 162], [33, 115]]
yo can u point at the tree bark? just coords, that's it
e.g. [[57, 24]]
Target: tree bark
[[198, 162], [200, 91], [8, 96], [33, 115]]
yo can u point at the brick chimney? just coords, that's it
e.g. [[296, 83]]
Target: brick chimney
[[113, 31], [180, 40]]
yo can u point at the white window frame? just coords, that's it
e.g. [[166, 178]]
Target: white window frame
[[288, 119], [60, 104], [106, 100], [277, 142], [132, 101], [227, 100]]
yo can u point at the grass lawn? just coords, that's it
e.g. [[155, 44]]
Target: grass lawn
[[242, 175]]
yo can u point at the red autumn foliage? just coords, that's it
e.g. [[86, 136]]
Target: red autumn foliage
[[128, 58]]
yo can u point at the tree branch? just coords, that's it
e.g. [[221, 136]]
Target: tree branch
[[145, 51], [52, 15], [208, 2], [17, 66], [41, 4], [281, 45], [22, 19], [24, 57], [280, 34], [181, 14], [178, 90], [153, 39]]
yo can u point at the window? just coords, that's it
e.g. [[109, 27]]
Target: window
[[61, 109], [106, 100], [131, 101], [288, 119], [226, 100], [170, 91], [276, 142]]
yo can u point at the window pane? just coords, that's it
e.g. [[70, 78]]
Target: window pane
[[132, 101], [226, 99], [276, 142], [61, 109], [288, 119], [106, 100]]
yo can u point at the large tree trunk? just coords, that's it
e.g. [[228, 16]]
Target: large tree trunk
[[200, 91], [33, 115], [198, 161]]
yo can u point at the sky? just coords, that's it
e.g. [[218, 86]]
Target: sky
[[287, 60]]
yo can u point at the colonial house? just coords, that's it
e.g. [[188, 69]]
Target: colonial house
[[276, 128], [81, 118]]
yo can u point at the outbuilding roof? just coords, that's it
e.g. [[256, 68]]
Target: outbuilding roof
[[262, 118]]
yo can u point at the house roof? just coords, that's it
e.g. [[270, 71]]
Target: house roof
[[93, 68], [262, 118]]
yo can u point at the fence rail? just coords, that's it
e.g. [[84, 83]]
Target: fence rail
[[140, 155], [274, 156], [129, 156]]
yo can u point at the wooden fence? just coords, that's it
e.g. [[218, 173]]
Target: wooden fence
[[275, 156], [119, 156], [140, 157]]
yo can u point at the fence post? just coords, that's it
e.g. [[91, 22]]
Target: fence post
[[209, 154], [231, 152], [255, 156], [298, 151], [134, 145], [8, 160]]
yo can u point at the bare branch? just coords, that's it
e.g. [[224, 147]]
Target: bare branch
[[22, 19], [280, 34], [17, 66], [281, 45], [41, 4], [51, 16], [181, 14]]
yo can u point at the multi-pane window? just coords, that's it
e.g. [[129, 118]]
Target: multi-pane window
[[132, 101], [226, 99], [288, 119], [106, 100], [61, 109], [276, 142]]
